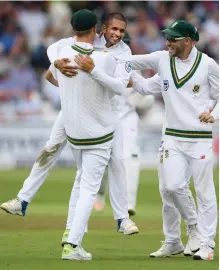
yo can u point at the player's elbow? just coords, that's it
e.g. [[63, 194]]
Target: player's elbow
[[48, 75]]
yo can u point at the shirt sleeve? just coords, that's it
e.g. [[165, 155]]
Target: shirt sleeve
[[213, 80], [146, 86], [119, 81], [53, 49], [147, 61], [53, 70]]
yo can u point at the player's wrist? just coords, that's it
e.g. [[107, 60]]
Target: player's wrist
[[93, 70], [213, 117]]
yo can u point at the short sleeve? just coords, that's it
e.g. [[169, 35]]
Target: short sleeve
[[53, 70]]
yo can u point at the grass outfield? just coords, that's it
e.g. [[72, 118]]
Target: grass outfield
[[33, 242]]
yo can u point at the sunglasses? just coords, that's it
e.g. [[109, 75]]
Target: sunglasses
[[173, 39]]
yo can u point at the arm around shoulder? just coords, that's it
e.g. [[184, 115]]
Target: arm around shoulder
[[119, 78]]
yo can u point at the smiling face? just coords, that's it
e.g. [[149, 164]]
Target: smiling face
[[114, 31], [177, 47]]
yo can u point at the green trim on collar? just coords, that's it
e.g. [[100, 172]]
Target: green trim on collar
[[180, 82], [82, 50]]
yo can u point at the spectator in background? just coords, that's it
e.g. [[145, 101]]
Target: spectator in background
[[148, 37], [7, 12], [59, 15], [28, 28], [211, 28], [18, 89], [25, 77], [39, 54], [9, 36], [20, 46], [33, 21], [9, 90], [23, 74]]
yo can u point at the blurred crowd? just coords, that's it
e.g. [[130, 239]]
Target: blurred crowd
[[27, 28]]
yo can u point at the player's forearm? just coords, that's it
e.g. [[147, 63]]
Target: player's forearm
[[116, 85], [150, 86], [145, 61], [50, 78]]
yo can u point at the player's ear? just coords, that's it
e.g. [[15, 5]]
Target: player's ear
[[188, 41], [104, 28]]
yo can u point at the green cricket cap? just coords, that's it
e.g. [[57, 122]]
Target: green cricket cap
[[127, 39], [182, 28], [83, 20]]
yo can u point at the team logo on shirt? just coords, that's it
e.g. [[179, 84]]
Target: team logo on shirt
[[196, 88], [165, 85], [128, 67]]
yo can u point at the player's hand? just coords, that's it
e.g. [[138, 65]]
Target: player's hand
[[206, 117], [130, 84], [84, 62], [65, 68]]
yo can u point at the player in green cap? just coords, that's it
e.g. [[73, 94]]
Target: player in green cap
[[113, 33], [89, 121], [189, 80]]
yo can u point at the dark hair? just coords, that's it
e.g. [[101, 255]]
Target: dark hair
[[115, 15]]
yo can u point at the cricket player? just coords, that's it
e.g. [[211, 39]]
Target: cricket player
[[129, 121], [114, 29], [89, 120], [189, 79]]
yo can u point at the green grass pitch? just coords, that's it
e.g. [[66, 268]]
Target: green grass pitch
[[33, 242]]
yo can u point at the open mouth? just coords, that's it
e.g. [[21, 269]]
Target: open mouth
[[171, 50]]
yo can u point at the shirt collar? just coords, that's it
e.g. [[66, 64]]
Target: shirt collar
[[84, 45], [101, 43]]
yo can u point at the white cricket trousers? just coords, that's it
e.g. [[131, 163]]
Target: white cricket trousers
[[130, 127], [116, 179], [170, 214], [130, 160], [45, 161], [51, 152], [91, 164], [179, 158]]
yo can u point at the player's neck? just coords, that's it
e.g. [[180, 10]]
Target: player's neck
[[85, 39], [108, 44], [185, 54]]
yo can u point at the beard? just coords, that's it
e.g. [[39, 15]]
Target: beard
[[110, 41]]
